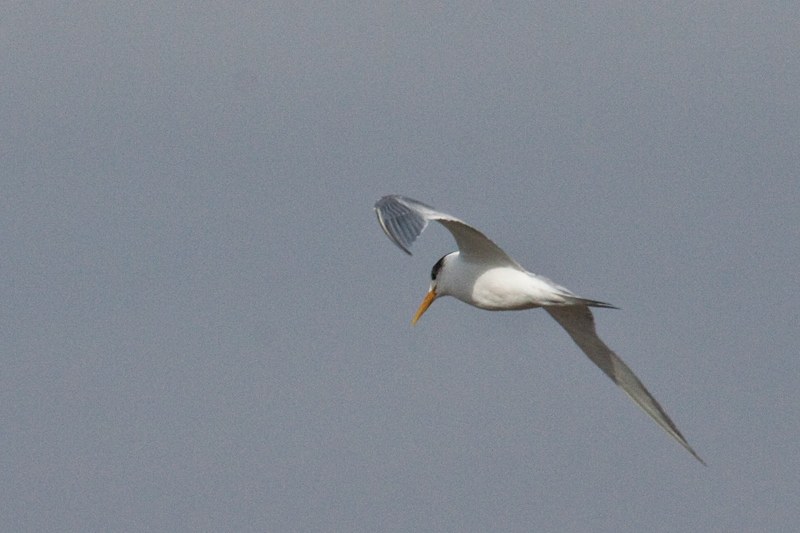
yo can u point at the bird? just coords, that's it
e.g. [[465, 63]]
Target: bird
[[482, 275]]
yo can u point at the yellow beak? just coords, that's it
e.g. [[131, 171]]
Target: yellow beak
[[426, 303]]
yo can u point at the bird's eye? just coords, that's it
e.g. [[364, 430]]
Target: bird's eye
[[436, 268]]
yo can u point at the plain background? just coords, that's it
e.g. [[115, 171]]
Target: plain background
[[203, 327]]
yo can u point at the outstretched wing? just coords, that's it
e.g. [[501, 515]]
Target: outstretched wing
[[404, 219], [579, 323]]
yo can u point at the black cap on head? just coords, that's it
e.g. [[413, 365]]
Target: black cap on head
[[437, 267]]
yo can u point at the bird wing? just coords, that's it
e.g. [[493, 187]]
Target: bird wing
[[404, 219], [579, 323]]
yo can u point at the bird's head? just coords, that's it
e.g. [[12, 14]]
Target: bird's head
[[434, 292]]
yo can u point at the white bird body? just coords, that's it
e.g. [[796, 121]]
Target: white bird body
[[481, 274], [500, 288]]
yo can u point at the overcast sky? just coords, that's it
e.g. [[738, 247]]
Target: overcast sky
[[203, 327]]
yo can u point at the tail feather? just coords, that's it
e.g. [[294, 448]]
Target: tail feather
[[596, 303]]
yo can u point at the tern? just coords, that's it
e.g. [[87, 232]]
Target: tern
[[481, 274]]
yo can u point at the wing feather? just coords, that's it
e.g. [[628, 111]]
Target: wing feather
[[579, 323], [404, 219]]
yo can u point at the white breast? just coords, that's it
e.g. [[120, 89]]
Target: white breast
[[506, 289], [495, 288]]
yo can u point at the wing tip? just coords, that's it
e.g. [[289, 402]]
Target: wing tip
[[388, 233], [698, 458]]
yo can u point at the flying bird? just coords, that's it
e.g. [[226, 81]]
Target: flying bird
[[481, 274]]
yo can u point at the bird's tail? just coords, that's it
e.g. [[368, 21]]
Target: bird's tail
[[594, 303], [571, 299]]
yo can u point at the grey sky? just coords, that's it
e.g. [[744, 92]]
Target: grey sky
[[204, 328]]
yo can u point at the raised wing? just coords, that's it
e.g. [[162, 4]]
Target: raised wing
[[404, 219], [579, 323]]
